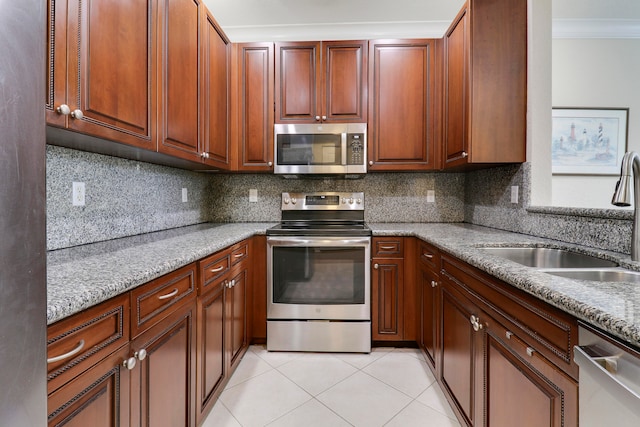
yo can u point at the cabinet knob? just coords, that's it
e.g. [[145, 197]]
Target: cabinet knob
[[508, 334], [370, 162], [464, 154], [77, 114], [324, 117], [317, 118], [63, 109], [269, 164], [375, 266], [434, 284], [530, 351], [129, 363], [475, 322], [140, 354]]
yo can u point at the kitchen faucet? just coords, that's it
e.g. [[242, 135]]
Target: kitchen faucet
[[622, 195]]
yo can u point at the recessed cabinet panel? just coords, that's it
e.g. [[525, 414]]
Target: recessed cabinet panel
[[296, 65], [345, 81]]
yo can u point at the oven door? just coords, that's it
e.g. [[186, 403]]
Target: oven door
[[318, 278]]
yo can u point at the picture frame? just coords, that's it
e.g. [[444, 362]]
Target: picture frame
[[588, 141]]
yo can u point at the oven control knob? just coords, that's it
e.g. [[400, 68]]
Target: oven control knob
[[344, 201], [351, 201], [359, 201], [294, 200], [286, 201]]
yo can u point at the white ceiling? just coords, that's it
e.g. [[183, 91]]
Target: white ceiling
[[264, 20]]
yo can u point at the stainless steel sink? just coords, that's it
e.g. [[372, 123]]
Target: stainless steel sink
[[599, 275], [549, 258]]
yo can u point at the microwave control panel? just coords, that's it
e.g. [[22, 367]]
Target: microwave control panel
[[355, 149]]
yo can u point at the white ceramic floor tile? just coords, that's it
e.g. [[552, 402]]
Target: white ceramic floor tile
[[415, 352], [262, 399], [418, 415], [250, 366], [361, 360], [434, 398], [316, 373], [364, 401], [274, 358], [220, 417], [311, 414], [402, 371]]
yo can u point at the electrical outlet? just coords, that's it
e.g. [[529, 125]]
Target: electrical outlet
[[431, 196], [185, 197], [514, 193], [253, 195], [77, 199]]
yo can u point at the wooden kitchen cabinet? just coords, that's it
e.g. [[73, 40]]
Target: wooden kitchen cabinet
[[494, 340], [100, 69], [429, 294], [222, 335], [485, 84], [321, 82], [252, 105], [403, 105], [216, 81]]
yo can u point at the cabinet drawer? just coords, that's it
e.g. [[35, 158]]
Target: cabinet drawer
[[552, 332], [152, 302], [78, 342], [239, 252], [429, 256], [388, 247], [212, 268]]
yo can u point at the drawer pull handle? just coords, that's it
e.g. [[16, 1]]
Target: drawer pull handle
[[239, 255], [169, 295], [73, 352], [215, 270], [387, 248], [530, 351], [428, 256]]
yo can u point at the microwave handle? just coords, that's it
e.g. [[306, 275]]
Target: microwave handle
[[344, 148]]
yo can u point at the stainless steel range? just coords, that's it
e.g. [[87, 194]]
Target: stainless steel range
[[318, 275]]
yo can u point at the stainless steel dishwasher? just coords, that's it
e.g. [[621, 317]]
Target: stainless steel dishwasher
[[609, 381]]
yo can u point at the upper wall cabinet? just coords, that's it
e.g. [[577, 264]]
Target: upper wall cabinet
[[485, 84], [216, 150], [252, 105], [100, 69], [321, 82], [402, 105]]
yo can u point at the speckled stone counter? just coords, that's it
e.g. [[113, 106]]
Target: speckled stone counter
[[611, 306], [83, 276]]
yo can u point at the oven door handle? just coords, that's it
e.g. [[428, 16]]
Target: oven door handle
[[302, 241]]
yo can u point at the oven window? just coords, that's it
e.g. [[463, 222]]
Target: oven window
[[318, 275], [309, 149]]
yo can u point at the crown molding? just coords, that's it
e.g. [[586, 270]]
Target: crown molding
[[596, 28], [337, 31]]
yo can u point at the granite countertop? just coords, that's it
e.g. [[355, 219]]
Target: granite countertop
[[84, 276]]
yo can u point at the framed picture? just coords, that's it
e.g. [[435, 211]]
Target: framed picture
[[588, 141]]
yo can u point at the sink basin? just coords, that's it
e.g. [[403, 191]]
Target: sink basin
[[549, 258], [599, 275]]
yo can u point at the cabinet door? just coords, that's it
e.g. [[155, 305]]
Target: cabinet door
[[344, 66], [456, 91], [236, 315], [215, 60], [298, 84], [462, 352], [56, 65], [402, 105], [179, 82], [163, 383], [387, 299], [210, 347], [428, 285], [99, 397], [253, 74], [109, 70]]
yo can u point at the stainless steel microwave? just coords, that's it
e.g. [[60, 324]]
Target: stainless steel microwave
[[322, 149]]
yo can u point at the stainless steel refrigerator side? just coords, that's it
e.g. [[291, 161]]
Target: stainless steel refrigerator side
[[23, 294]]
